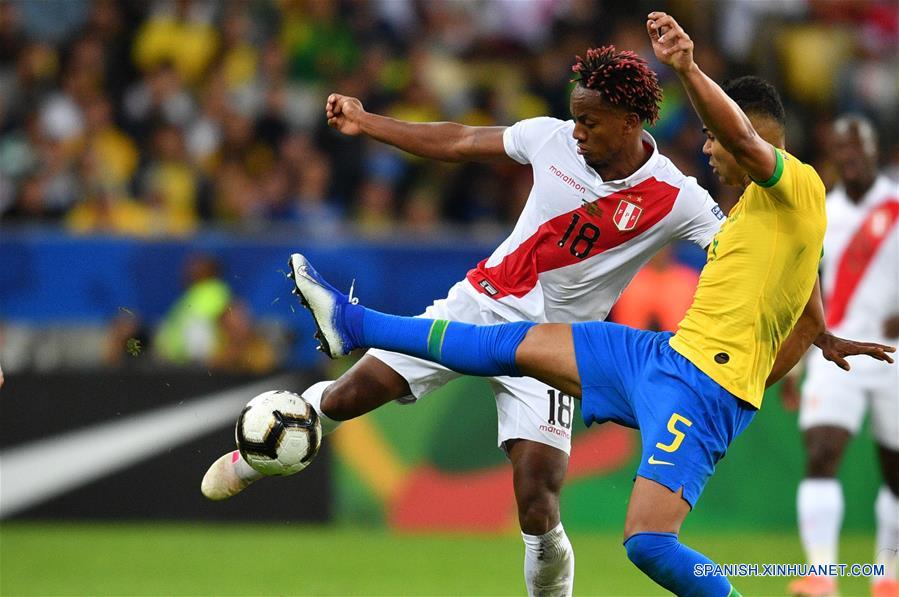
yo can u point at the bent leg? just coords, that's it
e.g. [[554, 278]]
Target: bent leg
[[542, 351], [538, 473], [367, 385]]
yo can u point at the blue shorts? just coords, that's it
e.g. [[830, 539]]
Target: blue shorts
[[686, 420]]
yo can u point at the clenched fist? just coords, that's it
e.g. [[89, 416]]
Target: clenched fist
[[344, 113]]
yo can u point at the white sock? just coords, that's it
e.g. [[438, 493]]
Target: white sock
[[820, 507], [886, 510], [314, 397], [548, 564]]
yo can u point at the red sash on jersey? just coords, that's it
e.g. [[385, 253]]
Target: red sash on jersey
[[857, 256], [562, 241]]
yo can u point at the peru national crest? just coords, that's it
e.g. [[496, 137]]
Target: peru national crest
[[626, 215]]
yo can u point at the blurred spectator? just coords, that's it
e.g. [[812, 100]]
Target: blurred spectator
[[116, 153], [312, 204], [376, 209], [189, 330], [319, 44], [169, 181], [105, 209], [240, 348], [180, 33], [159, 97], [52, 21], [421, 216], [658, 296]]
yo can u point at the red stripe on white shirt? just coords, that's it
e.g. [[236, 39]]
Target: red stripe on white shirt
[[554, 246], [857, 257]]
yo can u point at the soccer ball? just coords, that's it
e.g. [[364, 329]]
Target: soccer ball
[[278, 433]]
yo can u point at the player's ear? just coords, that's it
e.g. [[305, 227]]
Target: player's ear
[[633, 121]]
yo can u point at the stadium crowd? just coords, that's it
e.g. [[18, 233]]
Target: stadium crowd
[[156, 118]]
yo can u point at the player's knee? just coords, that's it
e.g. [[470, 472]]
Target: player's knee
[[538, 504], [340, 399], [538, 511], [648, 551], [823, 458], [358, 392]]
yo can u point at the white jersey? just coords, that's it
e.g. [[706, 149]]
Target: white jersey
[[860, 280], [860, 283], [580, 240]]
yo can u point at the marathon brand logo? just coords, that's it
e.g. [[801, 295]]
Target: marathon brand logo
[[568, 179], [555, 431]]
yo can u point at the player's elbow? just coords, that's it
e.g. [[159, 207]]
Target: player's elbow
[[745, 144], [811, 325]]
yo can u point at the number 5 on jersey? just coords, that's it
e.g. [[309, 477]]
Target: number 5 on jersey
[[675, 443]]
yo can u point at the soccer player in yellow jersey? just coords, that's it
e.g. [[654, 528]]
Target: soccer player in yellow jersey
[[756, 310]]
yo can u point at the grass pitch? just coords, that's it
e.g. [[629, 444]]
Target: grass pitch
[[192, 559]]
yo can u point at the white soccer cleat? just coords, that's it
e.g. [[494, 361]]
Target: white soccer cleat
[[326, 304], [221, 481]]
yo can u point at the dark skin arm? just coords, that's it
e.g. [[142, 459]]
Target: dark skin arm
[[809, 326], [810, 329], [721, 115], [446, 141]]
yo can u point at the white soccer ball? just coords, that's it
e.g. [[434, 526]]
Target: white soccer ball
[[278, 433]]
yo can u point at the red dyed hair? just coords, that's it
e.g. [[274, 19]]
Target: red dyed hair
[[622, 78]]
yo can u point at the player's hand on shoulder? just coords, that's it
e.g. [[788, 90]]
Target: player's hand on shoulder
[[670, 43], [343, 113]]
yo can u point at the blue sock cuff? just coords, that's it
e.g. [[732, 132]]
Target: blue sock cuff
[[503, 343], [354, 318], [647, 535]]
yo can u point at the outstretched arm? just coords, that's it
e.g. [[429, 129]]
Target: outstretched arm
[[447, 141], [810, 329], [721, 115]]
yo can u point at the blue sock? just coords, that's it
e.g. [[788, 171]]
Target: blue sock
[[671, 564], [486, 350]]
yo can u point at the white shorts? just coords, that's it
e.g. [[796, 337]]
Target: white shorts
[[831, 396], [522, 403]]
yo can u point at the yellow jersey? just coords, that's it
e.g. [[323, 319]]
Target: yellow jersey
[[758, 277]]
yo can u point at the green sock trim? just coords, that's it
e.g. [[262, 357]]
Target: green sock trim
[[435, 337], [733, 592]]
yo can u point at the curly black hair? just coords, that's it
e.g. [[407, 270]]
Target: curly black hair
[[756, 96], [622, 78]]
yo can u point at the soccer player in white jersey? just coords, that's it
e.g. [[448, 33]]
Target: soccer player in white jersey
[[604, 201], [861, 289]]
